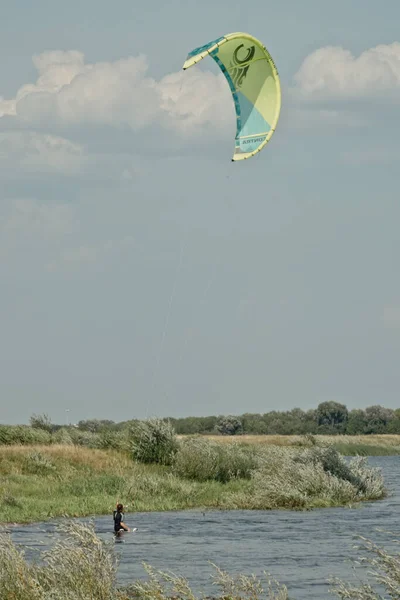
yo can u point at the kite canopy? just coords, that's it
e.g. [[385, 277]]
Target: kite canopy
[[254, 83]]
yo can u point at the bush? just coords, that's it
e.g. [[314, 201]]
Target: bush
[[85, 438], [153, 441], [38, 464], [117, 440], [23, 434], [201, 459], [41, 422], [317, 477], [365, 480], [62, 436]]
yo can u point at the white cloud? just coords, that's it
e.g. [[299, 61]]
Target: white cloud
[[34, 151], [120, 94], [335, 73]]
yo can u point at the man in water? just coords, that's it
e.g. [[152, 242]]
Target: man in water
[[119, 525]]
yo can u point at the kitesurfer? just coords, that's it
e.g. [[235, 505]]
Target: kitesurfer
[[119, 525]]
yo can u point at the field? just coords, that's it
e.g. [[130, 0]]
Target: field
[[348, 445], [41, 482]]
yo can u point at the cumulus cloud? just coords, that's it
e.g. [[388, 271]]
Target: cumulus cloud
[[33, 151], [69, 91], [335, 73], [102, 104]]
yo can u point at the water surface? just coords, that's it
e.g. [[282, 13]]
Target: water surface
[[300, 549]]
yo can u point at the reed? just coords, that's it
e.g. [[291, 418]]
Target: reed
[[80, 566]]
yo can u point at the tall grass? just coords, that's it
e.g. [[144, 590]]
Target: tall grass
[[315, 478], [365, 445], [153, 441], [202, 460], [348, 445], [80, 566]]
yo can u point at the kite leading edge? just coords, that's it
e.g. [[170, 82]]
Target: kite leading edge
[[254, 82]]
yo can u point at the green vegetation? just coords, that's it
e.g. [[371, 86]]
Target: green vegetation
[[81, 566], [156, 471], [329, 418]]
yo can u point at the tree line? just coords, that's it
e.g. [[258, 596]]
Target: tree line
[[328, 418]]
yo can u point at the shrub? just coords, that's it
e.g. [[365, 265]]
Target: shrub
[[117, 440], [41, 422], [23, 434], [85, 438], [62, 436], [153, 441], [201, 459], [317, 477], [38, 464]]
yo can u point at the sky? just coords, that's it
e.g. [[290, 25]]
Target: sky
[[142, 273]]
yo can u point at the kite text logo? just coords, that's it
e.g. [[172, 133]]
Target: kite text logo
[[239, 72]]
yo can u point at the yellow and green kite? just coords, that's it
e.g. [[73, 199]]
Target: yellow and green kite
[[255, 86]]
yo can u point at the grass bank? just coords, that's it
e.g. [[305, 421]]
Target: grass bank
[[348, 445], [81, 566], [43, 482]]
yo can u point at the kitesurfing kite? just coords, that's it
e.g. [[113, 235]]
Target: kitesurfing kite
[[254, 82]]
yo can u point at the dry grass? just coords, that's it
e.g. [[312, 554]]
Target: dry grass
[[76, 456], [322, 440]]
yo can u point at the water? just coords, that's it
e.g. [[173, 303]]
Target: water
[[299, 549]]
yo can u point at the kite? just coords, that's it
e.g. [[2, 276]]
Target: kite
[[254, 82]]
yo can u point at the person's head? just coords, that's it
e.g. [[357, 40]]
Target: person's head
[[120, 507]]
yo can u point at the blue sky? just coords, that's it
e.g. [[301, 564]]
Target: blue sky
[[143, 273]]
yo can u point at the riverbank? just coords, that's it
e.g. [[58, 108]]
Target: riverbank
[[347, 445], [44, 482]]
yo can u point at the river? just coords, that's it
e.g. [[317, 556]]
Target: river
[[299, 549]]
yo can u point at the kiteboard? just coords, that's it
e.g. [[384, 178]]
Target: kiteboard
[[121, 533]]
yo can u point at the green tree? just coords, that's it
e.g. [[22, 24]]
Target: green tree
[[332, 417], [378, 418], [229, 425], [41, 422], [356, 422]]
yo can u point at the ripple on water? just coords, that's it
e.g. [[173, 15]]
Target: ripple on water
[[300, 549]]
